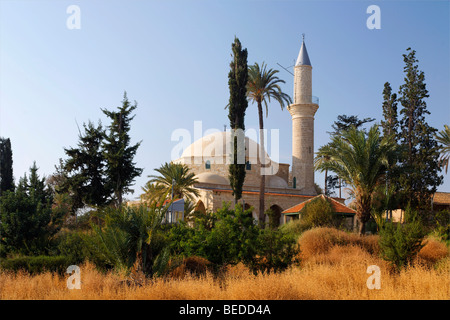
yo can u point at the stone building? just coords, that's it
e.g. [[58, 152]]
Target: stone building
[[286, 185]]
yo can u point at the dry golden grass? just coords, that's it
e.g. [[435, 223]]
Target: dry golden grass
[[334, 267]]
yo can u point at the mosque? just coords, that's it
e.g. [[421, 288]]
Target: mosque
[[287, 186]]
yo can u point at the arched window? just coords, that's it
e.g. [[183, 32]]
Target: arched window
[[207, 165], [294, 183], [248, 165]]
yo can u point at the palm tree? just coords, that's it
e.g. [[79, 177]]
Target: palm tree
[[443, 137], [262, 85], [361, 160], [175, 179], [320, 162]]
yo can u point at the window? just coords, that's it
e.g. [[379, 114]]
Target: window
[[294, 183], [207, 165], [248, 165]]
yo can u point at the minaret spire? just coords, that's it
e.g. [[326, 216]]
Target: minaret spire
[[303, 58], [302, 112]]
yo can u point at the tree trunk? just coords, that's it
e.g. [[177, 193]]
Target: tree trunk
[[362, 227], [262, 163]]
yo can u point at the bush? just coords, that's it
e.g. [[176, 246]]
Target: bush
[[400, 243], [432, 252], [231, 238], [320, 240], [317, 213], [442, 224], [295, 227], [73, 246], [37, 264], [276, 251]]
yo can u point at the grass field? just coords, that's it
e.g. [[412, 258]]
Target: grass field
[[334, 266]]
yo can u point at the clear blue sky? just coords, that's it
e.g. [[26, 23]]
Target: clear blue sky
[[172, 57]]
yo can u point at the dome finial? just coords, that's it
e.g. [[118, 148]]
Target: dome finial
[[303, 37]]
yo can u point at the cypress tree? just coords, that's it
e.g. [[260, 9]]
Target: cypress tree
[[6, 166], [237, 83], [390, 123]]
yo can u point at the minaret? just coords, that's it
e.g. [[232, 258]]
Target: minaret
[[302, 112]]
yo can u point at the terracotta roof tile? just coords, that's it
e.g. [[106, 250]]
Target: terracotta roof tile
[[441, 198], [337, 206]]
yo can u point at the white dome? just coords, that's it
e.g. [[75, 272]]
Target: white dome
[[275, 182], [216, 146], [207, 177]]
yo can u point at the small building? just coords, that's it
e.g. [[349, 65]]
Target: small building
[[342, 212], [441, 201]]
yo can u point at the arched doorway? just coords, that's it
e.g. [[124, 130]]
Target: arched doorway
[[275, 218], [254, 214], [200, 207]]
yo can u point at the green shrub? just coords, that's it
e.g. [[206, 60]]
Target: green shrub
[[228, 237], [37, 264], [73, 245], [295, 227], [442, 225], [276, 251], [317, 213], [400, 243]]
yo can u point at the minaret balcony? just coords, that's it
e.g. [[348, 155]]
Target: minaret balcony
[[306, 100]]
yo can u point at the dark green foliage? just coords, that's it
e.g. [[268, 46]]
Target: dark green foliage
[[360, 159], [345, 122], [295, 227], [37, 264], [442, 224], [236, 170], [317, 213], [262, 86], [173, 178], [237, 83], [131, 235], [121, 171], [276, 251], [101, 169], [419, 162], [6, 166], [228, 237], [83, 173], [390, 122], [400, 243], [342, 124], [74, 245], [28, 222], [224, 237]]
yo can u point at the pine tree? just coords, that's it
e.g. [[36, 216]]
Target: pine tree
[[237, 83], [27, 221], [85, 170], [6, 166], [419, 160], [345, 122], [119, 154]]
